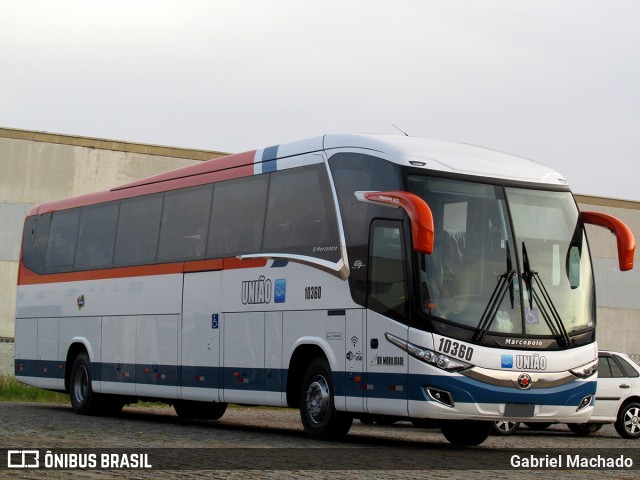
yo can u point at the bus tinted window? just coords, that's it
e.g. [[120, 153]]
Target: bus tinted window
[[185, 219], [34, 245], [138, 230], [355, 172], [237, 217], [61, 247], [96, 236], [301, 217]]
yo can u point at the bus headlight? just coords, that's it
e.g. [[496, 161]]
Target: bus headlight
[[586, 370], [425, 355]]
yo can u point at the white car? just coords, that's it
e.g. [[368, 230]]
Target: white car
[[617, 400], [617, 397]]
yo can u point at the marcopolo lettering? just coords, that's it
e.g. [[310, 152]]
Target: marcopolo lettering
[[257, 291], [531, 362], [522, 342]]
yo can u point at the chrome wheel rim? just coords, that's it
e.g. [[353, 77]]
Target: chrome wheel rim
[[81, 384], [631, 421], [317, 399], [505, 426]]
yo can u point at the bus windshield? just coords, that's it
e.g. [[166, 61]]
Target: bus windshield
[[505, 260]]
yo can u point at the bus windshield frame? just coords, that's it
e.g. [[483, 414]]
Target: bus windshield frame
[[507, 260]]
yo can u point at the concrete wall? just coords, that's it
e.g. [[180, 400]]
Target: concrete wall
[[6, 358], [618, 293], [38, 167]]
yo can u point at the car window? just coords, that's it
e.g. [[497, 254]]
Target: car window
[[628, 369], [616, 371], [604, 370]]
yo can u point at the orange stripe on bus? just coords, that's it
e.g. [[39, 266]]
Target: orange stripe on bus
[[28, 277]]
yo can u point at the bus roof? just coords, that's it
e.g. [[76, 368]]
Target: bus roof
[[432, 155], [450, 157]]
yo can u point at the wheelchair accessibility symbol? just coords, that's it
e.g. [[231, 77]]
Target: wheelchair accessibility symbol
[[532, 316]]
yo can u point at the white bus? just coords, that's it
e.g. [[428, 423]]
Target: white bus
[[349, 276]]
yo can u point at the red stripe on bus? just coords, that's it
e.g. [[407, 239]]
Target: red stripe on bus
[[28, 277]]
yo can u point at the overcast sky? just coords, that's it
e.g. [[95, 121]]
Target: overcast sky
[[556, 81]]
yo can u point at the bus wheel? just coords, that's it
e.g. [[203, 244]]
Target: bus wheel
[[583, 429], [538, 426], [83, 398], [466, 432], [319, 417], [191, 410]]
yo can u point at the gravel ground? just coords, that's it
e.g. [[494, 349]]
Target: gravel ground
[[272, 443]]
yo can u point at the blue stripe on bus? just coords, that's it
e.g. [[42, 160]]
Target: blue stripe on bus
[[374, 385], [269, 159]]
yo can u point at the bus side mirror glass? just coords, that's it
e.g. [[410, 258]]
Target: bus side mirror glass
[[573, 267], [624, 236], [419, 213]]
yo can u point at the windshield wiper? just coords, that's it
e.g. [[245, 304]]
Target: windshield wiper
[[552, 318], [505, 282]]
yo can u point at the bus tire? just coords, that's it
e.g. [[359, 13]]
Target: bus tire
[[538, 426], [466, 432], [319, 416], [192, 410], [584, 429], [628, 422], [83, 399]]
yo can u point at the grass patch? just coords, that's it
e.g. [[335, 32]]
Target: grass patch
[[13, 391]]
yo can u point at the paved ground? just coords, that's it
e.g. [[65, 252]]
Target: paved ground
[[272, 441]]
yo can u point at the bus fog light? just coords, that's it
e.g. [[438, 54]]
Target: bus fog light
[[440, 396], [585, 402]]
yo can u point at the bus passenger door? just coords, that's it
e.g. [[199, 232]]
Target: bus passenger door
[[386, 364], [200, 337]]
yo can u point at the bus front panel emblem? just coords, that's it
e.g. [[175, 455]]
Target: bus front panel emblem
[[524, 381]]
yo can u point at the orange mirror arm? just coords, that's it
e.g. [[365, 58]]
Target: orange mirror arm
[[624, 236], [419, 213]]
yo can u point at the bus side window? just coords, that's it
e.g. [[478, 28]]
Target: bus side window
[[138, 230], [34, 243], [185, 220], [96, 236], [301, 218], [61, 248], [237, 217], [387, 270]]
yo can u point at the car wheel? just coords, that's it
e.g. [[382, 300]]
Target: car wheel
[[583, 429], [505, 427], [628, 423]]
